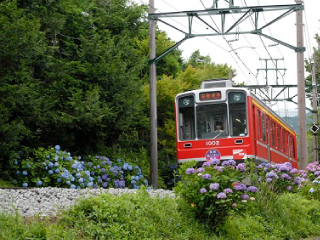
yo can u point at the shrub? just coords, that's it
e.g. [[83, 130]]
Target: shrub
[[134, 216], [280, 177], [214, 191], [55, 168]]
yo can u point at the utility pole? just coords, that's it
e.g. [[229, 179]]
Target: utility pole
[[153, 102], [303, 151], [315, 110], [273, 69]]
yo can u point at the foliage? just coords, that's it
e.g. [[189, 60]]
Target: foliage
[[280, 177], [138, 216], [214, 191], [67, 69], [18, 228], [55, 168]]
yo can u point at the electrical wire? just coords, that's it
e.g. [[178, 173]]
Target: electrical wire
[[232, 49], [197, 33]]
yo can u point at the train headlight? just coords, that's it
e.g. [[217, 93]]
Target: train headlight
[[237, 97]]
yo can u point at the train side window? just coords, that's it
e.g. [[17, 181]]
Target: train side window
[[292, 153], [267, 129], [259, 124], [283, 141], [288, 143], [186, 118], [273, 134], [279, 137], [263, 127]]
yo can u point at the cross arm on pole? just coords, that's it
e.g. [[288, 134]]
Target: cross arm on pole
[[297, 49], [162, 55]]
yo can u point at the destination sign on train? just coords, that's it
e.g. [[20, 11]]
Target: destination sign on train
[[210, 96]]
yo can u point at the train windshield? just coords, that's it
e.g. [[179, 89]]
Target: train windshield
[[212, 121]]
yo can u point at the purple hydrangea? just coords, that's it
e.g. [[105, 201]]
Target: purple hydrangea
[[269, 180], [241, 167], [206, 164], [252, 189], [237, 187], [228, 191], [245, 197], [190, 171], [289, 188], [200, 170], [219, 169], [294, 171], [272, 174], [214, 161], [214, 186], [203, 190], [285, 176], [221, 195], [317, 173], [206, 176]]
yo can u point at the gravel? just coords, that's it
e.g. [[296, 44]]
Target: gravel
[[48, 201]]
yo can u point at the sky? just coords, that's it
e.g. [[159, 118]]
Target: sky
[[247, 50]]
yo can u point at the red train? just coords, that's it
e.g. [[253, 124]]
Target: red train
[[223, 122]]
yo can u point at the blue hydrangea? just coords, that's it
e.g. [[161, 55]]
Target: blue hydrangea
[[50, 165], [25, 173], [39, 183], [28, 166], [24, 184], [57, 170], [17, 172], [58, 179], [56, 164], [73, 186], [50, 172], [15, 162], [57, 147], [68, 182]]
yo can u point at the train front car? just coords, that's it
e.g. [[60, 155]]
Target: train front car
[[212, 123]]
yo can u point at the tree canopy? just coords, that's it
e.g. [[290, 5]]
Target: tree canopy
[[75, 73]]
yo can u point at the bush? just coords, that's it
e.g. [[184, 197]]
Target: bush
[[134, 216], [280, 177], [214, 191], [55, 168]]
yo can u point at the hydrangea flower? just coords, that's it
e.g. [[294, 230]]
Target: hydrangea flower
[[214, 186], [269, 180], [228, 191], [25, 185], [57, 147], [199, 170], [206, 176], [25, 173], [203, 190], [241, 167], [221, 195], [252, 189], [39, 183], [245, 197], [190, 171]]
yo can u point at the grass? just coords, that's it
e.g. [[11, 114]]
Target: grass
[[6, 184], [138, 216]]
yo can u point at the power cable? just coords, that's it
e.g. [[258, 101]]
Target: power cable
[[232, 49]]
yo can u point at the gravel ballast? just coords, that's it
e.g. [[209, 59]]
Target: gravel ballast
[[47, 201]]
